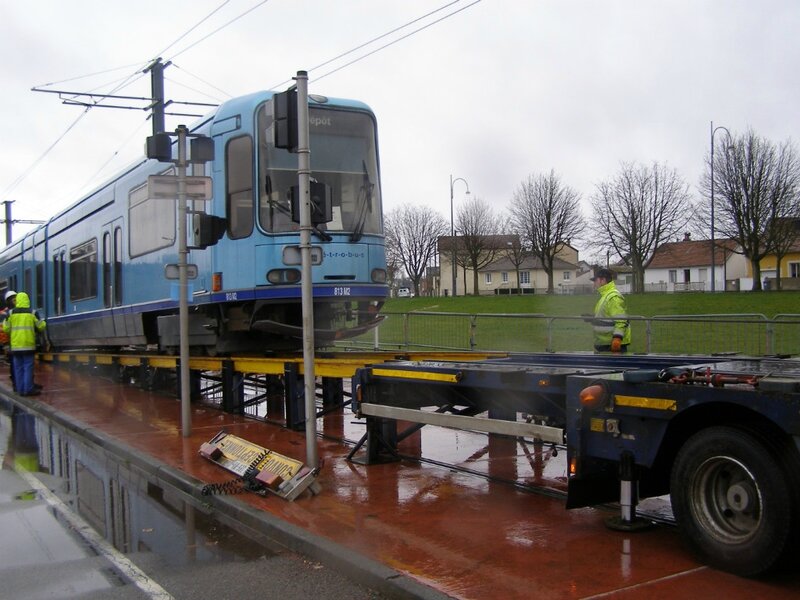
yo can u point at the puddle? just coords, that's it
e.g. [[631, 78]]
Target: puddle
[[131, 513]]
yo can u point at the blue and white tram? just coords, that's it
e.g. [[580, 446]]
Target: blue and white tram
[[97, 269]]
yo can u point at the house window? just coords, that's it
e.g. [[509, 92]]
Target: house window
[[687, 275], [487, 278], [673, 276], [794, 269], [524, 277], [504, 276], [566, 275]]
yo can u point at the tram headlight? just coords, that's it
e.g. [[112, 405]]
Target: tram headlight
[[283, 276], [379, 275]]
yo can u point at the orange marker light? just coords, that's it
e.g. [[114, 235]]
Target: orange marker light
[[573, 466], [592, 395], [216, 282]]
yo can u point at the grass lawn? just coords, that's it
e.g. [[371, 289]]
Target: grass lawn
[[489, 323], [768, 304]]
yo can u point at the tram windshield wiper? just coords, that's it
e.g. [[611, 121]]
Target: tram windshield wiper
[[324, 236], [363, 204]]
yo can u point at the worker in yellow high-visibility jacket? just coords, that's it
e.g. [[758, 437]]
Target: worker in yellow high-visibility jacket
[[612, 331], [21, 327]]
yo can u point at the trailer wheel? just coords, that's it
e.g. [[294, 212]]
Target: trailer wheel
[[731, 500]]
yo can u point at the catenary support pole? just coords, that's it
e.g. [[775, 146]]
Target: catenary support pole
[[307, 287], [183, 287]]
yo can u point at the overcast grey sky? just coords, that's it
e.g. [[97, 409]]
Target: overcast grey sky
[[498, 91]]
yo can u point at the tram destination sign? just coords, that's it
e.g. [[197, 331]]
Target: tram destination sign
[[165, 187], [172, 271]]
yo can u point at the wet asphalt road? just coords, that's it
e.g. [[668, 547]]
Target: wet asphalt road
[[165, 548]]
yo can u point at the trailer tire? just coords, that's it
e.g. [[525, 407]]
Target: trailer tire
[[731, 500]]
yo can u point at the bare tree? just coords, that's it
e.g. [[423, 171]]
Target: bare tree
[[476, 224], [547, 214], [757, 185], [515, 251], [637, 210], [411, 236]]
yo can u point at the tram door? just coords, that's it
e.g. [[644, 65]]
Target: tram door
[[111, 266], [59, 290]]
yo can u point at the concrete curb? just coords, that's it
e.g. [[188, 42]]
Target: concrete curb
[[243, 517]]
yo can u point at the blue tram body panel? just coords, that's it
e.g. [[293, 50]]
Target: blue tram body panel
[[96, 270]]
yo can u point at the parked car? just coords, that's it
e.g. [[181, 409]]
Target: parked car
[[404, 292]]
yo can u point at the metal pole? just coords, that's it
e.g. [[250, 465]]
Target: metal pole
[[307, 288], [452, 241], [183, 304], [713, 244], [9, 222], [713, 258], [453, 232], [157, 90]]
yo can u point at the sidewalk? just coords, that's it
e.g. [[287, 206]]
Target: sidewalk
[[405, 529]]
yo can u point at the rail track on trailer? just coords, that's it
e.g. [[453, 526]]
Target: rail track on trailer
[[719, 434]]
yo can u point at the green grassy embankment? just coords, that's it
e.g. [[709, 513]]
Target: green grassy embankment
[[646, 305]]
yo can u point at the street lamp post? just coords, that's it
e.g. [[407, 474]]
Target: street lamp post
[[713, 249], [453, 231]]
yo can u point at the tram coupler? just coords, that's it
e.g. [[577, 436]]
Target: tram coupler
[[628, 498]]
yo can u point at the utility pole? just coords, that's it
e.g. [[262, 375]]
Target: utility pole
[[9, 221], [156, 69], [306, 282]]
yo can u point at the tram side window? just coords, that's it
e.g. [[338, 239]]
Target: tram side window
[[107, 283], [40, 285], [152, 222], [83, 271], [27, 281], [239, 188], [118, 267], [59, 283]]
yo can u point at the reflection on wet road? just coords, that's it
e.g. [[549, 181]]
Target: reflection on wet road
[[104, 531]]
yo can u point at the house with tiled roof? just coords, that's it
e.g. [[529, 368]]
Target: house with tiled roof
[[451, 247], [500, 277], [790, 269], [687, 266]]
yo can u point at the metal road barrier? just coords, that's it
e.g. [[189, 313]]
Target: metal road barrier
[[747, 334]]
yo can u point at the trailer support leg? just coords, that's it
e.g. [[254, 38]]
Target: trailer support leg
[[628, 498]]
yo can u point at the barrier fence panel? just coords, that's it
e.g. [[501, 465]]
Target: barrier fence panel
[[710, 334], [750, 334], [786, 334]]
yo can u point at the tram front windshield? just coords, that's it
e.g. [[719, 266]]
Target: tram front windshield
[[343, 157]]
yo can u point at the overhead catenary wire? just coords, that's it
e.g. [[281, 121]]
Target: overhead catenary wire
[[115, 153], [400, 39], [193, 27], [372, 41], [218, 29], [136, 74], [201, 80]]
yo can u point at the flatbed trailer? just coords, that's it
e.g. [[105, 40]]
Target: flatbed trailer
[[720, 434]]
